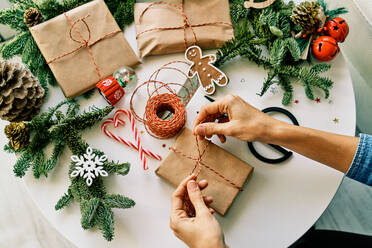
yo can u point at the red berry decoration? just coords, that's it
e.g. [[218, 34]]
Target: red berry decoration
[[325, 48], [337, 28]]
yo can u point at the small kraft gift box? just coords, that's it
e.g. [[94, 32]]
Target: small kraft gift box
[[83, 46], [225, 173], [171, 26]]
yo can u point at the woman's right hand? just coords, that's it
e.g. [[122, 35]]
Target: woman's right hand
[[244, 121]]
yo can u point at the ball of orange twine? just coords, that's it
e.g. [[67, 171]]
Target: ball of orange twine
[[159, 103]]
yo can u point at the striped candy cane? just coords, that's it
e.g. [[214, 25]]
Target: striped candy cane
[[138, 145]]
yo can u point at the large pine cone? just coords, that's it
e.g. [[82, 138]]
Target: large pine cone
[[32, 17], [21, 94], [307, 15]]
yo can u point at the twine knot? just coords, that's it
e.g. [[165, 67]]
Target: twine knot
[[186, 23], [83, 41], [199, 164]]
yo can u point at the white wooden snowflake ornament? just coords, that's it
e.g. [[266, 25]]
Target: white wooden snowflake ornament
[[89, 166]]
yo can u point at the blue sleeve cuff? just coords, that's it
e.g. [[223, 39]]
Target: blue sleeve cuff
[[361, 168]]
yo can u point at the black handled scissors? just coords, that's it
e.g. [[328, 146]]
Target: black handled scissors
[[286, 154]]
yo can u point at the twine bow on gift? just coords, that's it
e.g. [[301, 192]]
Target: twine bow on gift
[[83, 41], [186, 21], [199, 164]]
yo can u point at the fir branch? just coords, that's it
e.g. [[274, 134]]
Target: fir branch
[[309, 91], [22, 164], [64, 201], [287, 87], [118, 201], [13, 17], [88, 211], [302, 43], [293, 48], [24, 4], [83, 121], [8, 149], [120, 169], [105, 221], [124, 13], [89, 94], [237, 11], [30, 51], [38, 164], [52, 161], [277, 52], [15, 46], [320, 68], [332, 13], [268, 82]]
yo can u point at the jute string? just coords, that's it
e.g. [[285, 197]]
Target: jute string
[[199, 164], [84, 42], [158, 102], [186, 22]]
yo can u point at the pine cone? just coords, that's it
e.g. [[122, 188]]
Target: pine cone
[[21, 94], [32, 17], [308, 15], [18, 135]]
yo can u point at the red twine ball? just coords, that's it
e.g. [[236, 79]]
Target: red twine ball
[[159, 104]]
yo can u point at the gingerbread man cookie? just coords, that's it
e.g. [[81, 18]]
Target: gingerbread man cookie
[[208, 74]]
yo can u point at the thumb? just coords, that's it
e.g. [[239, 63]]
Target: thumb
[[211, 128], [196, 197]]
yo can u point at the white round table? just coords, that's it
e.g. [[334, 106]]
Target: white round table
[[279, 202]]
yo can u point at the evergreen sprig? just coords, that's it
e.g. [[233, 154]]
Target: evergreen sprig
[[25, 46], [64, 129], [265, 36]]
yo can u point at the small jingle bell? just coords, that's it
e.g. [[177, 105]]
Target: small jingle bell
[[338, 29], [325, 48], [126, 77]]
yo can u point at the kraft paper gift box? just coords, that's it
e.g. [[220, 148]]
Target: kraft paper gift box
[[160, 27], [103, 47], [175, 167]]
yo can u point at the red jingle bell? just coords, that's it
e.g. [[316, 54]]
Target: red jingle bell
[[325, 48], [337, 28]]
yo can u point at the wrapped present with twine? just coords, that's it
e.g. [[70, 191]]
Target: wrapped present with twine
[[83, 46], [226, 174], [171, 26]]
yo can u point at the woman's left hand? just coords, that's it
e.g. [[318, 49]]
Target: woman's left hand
[[203, 230]]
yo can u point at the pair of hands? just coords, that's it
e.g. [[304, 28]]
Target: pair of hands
[[244, 122]]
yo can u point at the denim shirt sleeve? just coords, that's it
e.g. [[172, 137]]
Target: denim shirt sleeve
[[361, 168]]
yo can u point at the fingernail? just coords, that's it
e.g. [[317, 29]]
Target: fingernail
[[200, 130], [192, 185]]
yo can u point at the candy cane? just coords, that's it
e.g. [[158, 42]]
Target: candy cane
[[138, 146]]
